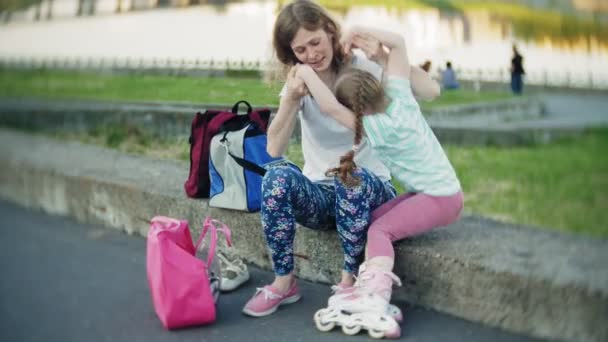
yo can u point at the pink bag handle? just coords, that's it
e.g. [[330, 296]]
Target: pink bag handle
[[212, 225], [160, 223]]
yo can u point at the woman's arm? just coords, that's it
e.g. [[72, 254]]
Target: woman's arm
[[423, 85], [282, 125], [324, 97]]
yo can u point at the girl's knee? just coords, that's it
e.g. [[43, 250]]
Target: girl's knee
[[454, 209], [459, 206], [379, 231]]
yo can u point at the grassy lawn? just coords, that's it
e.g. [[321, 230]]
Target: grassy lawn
[[72, 85], [561, 186]]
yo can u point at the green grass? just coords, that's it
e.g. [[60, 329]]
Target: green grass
[[562, 185], [226, 90], [455, 97], [71, 85]]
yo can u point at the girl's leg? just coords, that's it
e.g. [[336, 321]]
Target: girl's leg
[[353, 207], [287, 197], [386, 207], [409, 216], [405, 216]]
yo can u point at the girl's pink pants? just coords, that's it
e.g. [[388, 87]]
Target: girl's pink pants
[[408, 215]]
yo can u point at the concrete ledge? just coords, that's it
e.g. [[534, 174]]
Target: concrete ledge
[[498, 122], [503, 135], [518, 278], [520, 108]]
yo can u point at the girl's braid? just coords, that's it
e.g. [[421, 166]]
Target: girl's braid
[[347, 163]]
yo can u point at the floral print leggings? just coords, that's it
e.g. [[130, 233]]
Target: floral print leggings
[[289, 197]]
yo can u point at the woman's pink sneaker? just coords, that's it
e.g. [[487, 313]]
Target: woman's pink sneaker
[[267, 300]]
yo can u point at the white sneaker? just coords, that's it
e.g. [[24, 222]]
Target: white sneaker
[[234, 271]]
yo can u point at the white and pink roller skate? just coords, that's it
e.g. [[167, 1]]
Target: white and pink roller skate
[[341, 291], [365, 306]]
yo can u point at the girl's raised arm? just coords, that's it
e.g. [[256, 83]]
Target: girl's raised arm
[[324, 97], [423, 85], [397, 63]]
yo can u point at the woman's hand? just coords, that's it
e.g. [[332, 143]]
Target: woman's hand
[[372, 47], [296, 88]]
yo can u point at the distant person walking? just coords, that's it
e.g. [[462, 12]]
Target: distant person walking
[[448, 77], [517, 72]]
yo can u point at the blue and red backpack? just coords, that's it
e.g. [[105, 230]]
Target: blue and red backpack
[[204, 127]]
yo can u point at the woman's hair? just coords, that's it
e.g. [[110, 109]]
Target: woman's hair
[[360, 92], [310, 16]]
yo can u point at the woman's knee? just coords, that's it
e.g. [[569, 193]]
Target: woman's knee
[[280, 177], [363, 177]]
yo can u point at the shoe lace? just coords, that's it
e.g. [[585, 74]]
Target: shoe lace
[[235, 265], [366, 276], [268, 294]]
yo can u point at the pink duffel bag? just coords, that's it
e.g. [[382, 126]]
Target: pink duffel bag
[[178, 280]]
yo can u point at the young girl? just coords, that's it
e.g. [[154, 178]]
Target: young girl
[[391, 120]]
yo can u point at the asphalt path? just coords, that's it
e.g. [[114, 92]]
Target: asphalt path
[[61, 280]]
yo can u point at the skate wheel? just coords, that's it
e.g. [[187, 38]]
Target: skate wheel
[[376, 333], [324, 327], [395, 312], [351, 330]]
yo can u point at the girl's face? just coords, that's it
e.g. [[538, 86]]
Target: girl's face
[[313, 48]]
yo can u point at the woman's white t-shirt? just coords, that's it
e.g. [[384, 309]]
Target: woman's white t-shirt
[[324, 140]]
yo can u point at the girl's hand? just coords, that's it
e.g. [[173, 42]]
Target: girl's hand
[[371, 46], [303, 70], [296, 88]]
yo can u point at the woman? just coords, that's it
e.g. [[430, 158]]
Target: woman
[[305, 34]]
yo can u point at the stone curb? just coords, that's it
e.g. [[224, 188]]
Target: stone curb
[[451, 124], [521, 279]]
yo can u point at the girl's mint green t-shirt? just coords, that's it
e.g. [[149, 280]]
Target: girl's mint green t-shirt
[[404, 142]]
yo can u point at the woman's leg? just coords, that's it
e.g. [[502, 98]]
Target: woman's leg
[[409, 215], [353, 206], [287, 197]]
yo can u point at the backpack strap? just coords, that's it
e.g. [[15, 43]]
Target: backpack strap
[[244, 163], [247, 165], [235, 108]]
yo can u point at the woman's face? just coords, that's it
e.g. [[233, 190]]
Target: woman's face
[[313, 48]]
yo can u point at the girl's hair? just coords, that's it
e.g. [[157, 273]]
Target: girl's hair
[[310, 16], [360, 92]]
